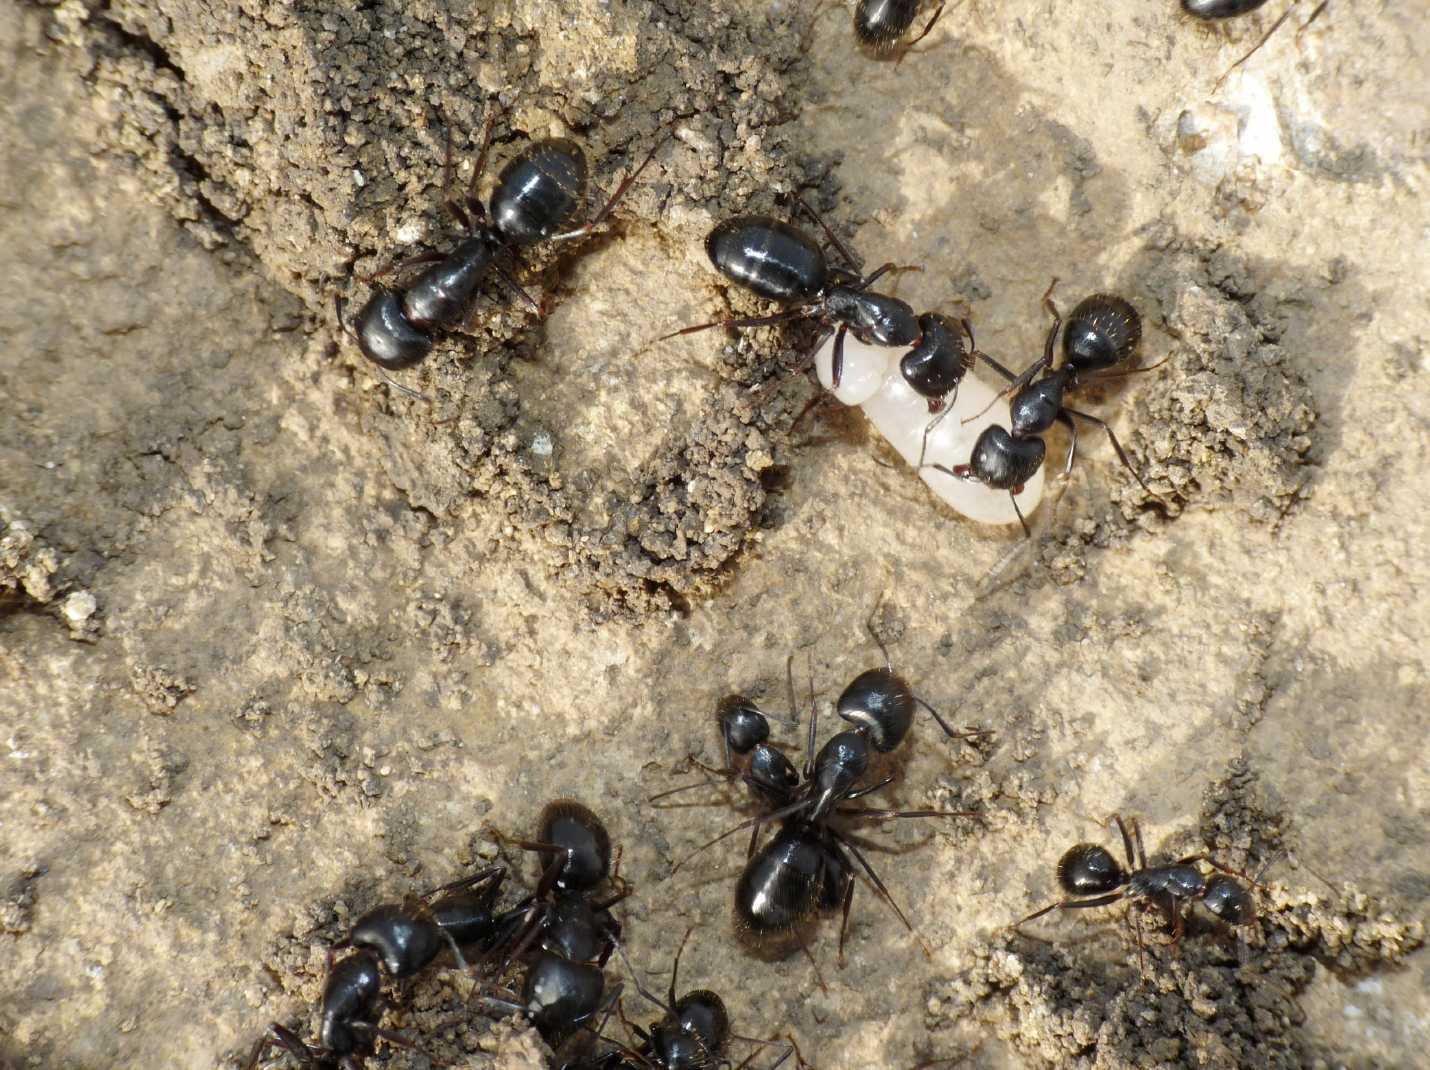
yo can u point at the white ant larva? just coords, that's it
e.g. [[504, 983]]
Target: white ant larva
[[873, 380]]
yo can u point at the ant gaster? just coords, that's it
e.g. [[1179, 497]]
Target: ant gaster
[[781, 263], [880, 25], [1092, 877], [400, 939], [1102, 332], [536, 195]]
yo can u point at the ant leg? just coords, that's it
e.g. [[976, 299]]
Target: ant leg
[[844, 250], [1216, 86], [474, 203], [928, 430], [910, 46], [860, 814], [884, 269], [1137, 839], [600, 217], [836, 365], [497, 871], [1013, 497], [874, 635], [397, 266], [883, 891], [1124, 373], [640, 988], [870, 789], [1070, 904], [804, 946], [454, 209], [675, 966], [848, 901], [1116, 819], [967, 733], [754, 822], [737, 321], [505, 277], [279, 1037], [1030, 372], [1121, 454]]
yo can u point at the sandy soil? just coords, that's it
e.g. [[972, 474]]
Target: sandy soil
[[276, 642]]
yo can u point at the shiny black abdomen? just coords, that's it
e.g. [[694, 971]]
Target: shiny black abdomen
[[879, 701], [1219, 9], [539, 191], [568, 824], [780, 888], [1089, 869], [769, 257], [1102, 330], [881, 24], [386, 336]]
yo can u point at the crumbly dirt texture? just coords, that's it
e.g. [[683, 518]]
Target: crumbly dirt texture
[[279, 642]]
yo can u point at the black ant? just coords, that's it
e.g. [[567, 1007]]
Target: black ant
[[781, 263], [399, 939], [565, 935], [536, 195], [693, 1033], [1102, 332], [1092, 877], [809, 866], [880, 25]]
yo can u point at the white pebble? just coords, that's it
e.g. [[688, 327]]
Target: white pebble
[[872, 380]]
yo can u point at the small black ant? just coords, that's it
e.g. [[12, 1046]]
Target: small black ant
[[567, 936], [1092, 877], [880, 25], [400, 939], [692, 1034], [536, 195], [1102, 332], [782, 263], [1220, 9]]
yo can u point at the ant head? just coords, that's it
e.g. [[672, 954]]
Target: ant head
[[1002, 461], [773, 775], [742, 723], [879, 703], [569, 825], [1229, 900], [1089, 869]]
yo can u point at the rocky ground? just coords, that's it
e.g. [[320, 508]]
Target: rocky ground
[[278, 642]]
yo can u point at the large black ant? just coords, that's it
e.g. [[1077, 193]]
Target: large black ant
[[399, 939], [564, 936], [1092, 877], [782, 263], [1102, 332], [880, 25], [810, 864], [536, 195]]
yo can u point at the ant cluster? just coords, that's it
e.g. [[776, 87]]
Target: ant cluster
[[911, 398], [559, 939]]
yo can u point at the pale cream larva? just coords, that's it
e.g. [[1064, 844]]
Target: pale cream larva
[[872, 381]]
